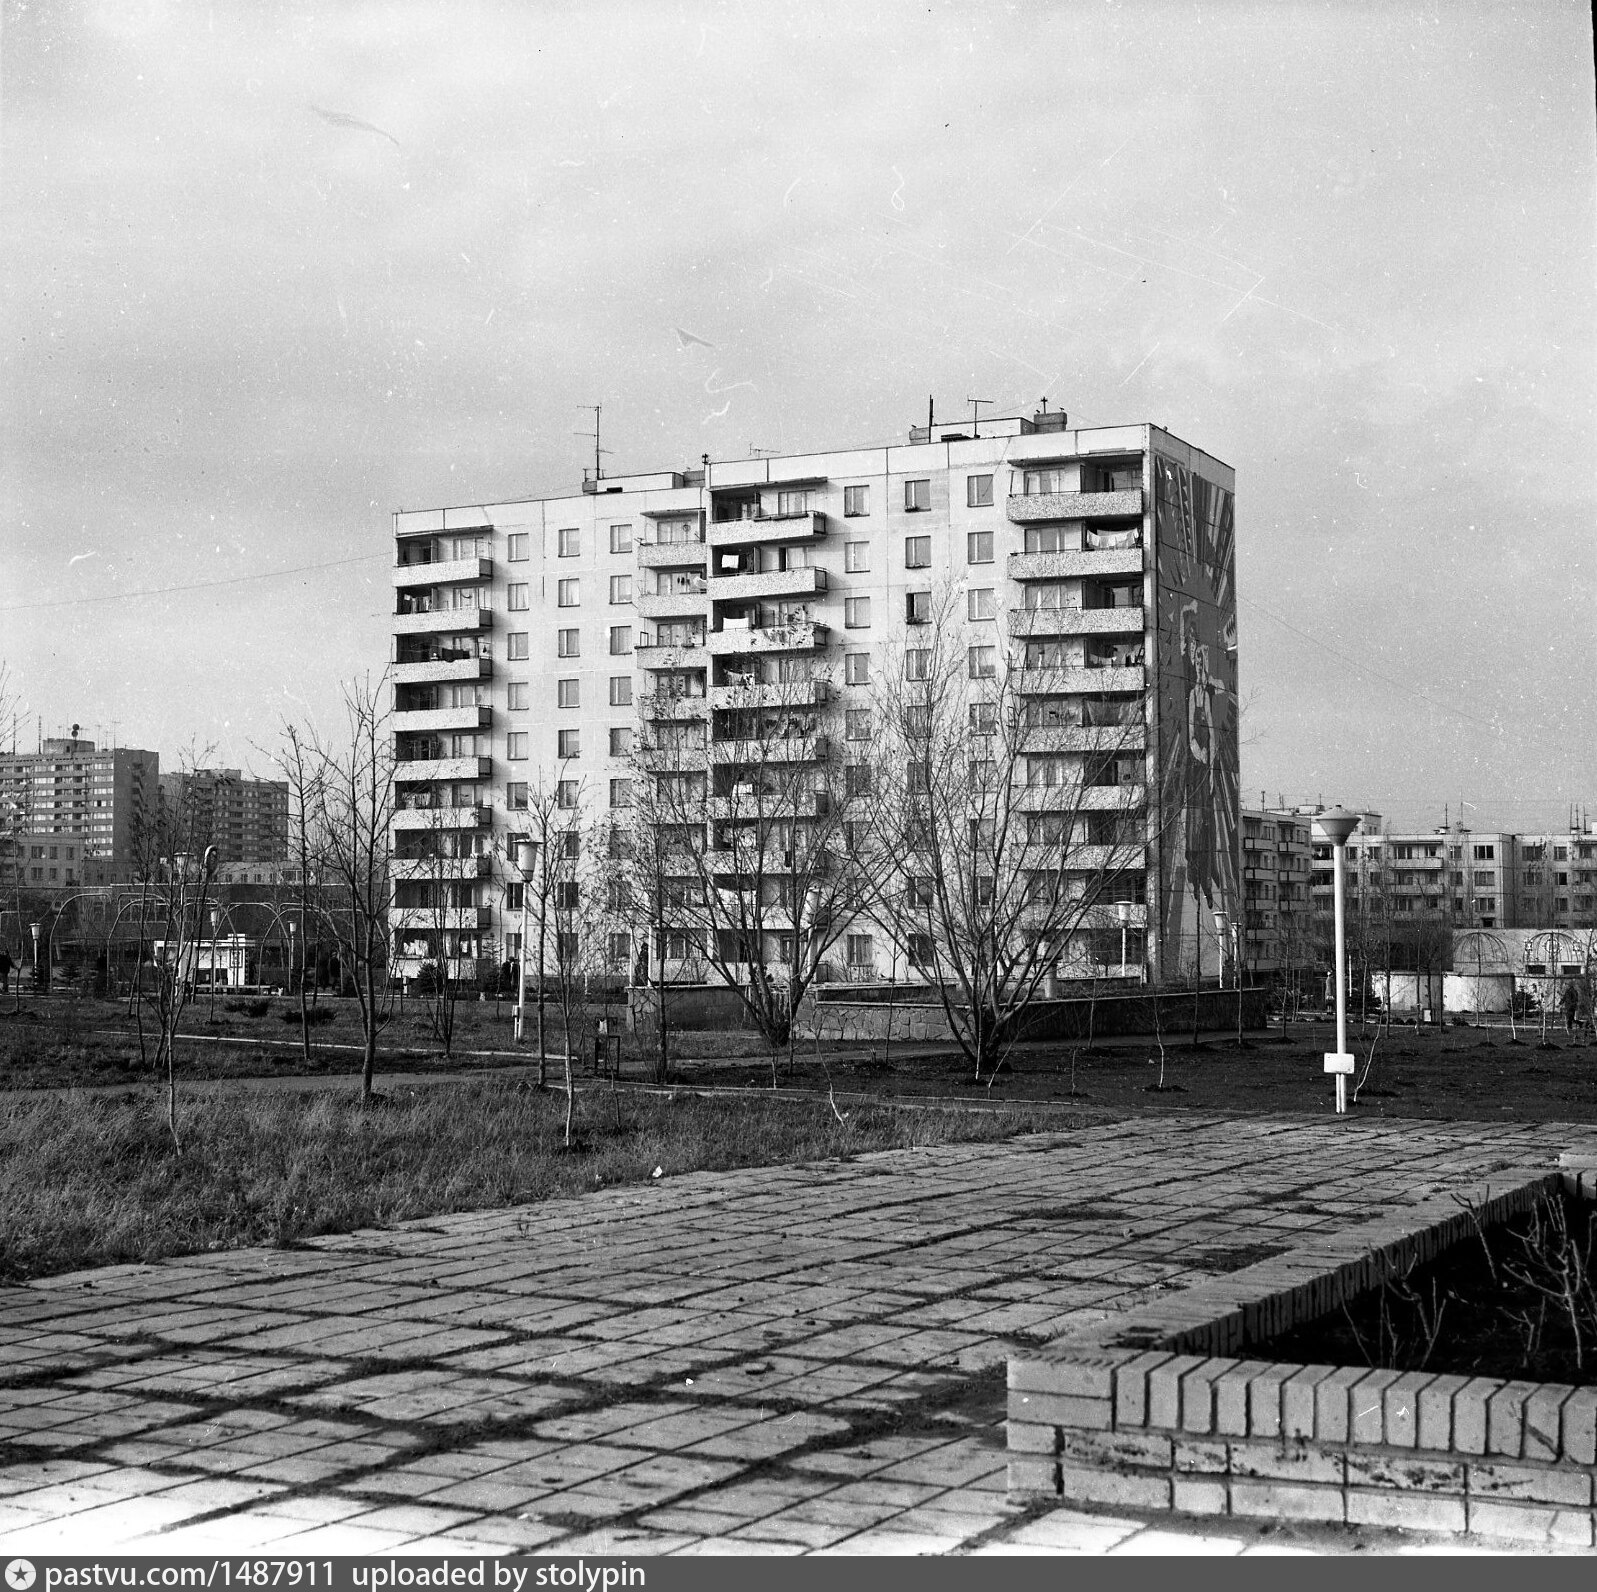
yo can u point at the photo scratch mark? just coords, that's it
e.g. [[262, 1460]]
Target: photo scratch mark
[[1141, 362], [717, 413], [896, 198], [790, 187], [716, 392], [685, 338], [355, 124]]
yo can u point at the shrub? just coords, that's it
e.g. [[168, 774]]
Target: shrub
[[317, 1016]]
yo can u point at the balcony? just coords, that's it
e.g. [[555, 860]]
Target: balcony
[[1103, 859], [804, 527], [1074, 565], [1081, 798], [804, 635], [427, 769], [1084, 738], [441, 868], [1075, 621], [807, 582], [671, 654], [1074, 506], [444, 719], [775, 694], [401, 918], [673, 759], [747, 803], [772, 749], [1081, 682], [743, 862], [670, 555], [445, 572], [656, 709], [676, 604], [434, 621], [441, 669], [442, 818]]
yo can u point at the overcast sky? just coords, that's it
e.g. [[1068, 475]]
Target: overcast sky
[[270, 272]]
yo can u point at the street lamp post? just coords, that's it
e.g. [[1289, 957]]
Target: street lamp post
[[1336, 825], [1123, 912], [1226, 928], [34, 930]]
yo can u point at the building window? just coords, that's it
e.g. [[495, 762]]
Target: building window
[[1485, 853], [792, 503], [566, 793], [620, 741], [1049, 539], [516, 796], [856, 612], [567, 593], [568, 693], [518, 696], [981, 602], [518, 547], [920, 950], [916, 662], [861, 951], [516, 746], [978, 491], [568, 644], [620, 538], [856, 668], [856, 501], [917, 496], [979, 547], [917, 552], [516, 645], [856, 557], [856, 779], [620, 589], [858, 722], [568, 744], [621, 793], [983, 718], [621, 690], [917, 608], [570, 542], [516, 597], [620, 641], [983, 662], [513, 898]]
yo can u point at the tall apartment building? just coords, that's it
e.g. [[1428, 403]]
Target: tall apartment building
[[73, 788], [541, 640], [245, 819]]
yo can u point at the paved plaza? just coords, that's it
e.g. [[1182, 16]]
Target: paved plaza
[[787, 1360]]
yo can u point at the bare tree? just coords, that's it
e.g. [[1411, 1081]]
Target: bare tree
[[352, 786], [995, 819], [750, 862], [302, 764]]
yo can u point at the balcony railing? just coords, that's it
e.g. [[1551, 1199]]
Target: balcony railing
[[658, 709], [655, 654], [473, 867], [427, 621], [670, 555], [1084, 738], [772, 749], [1075, 621], [444, 572], [1073, 565], [441, 817], [441, 669], [770, 694], [1065, 681], [677, 602], [768, 528], [803, 635], [437, 719], [806, 582], [1082, 798], [1025, 510], [415, 770]]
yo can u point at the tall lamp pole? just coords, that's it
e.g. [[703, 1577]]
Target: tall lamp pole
[[1226, 928], [1123, 912], [34, 928], [526, 859], [1336, 825]]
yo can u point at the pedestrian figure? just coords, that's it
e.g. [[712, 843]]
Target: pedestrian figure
[[1571, 1004]]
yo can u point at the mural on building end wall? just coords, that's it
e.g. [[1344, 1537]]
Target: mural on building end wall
[[1200, 779]]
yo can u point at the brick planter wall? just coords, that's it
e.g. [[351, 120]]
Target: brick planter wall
[[1158, 1410]]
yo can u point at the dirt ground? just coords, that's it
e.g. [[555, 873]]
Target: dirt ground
[[1458, 1072]]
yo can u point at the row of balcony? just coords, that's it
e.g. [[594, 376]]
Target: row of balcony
[[440, 670], [434, 719], [1125, 621], [444, 572], [1044, 506]]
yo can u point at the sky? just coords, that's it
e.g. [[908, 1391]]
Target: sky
[[269, 272]]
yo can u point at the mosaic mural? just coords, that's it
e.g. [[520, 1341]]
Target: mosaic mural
[[1200, 777]]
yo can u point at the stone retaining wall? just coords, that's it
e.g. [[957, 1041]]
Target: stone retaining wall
[[1159, 1410]]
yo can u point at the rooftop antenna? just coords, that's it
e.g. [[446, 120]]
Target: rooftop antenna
[[759, 453], [975, 419], [930, 414], [598, 473]]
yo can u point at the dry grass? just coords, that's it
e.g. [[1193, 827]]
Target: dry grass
[[89, 1180]]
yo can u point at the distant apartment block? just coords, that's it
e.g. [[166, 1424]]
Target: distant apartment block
[[543, 641], [1277, 908], [1468, 878], [245, 819], [72, 790]]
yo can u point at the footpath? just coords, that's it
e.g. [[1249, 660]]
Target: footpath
[[803, 1359]]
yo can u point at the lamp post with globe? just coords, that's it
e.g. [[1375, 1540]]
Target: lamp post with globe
[[1336, 825]]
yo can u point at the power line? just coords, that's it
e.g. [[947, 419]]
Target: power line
[[199, 585], [1364, 668]]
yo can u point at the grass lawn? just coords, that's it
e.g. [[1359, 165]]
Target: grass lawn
[[92, 1179]]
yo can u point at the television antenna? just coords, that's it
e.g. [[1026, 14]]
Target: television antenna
[[598, 472], [975, 422]]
